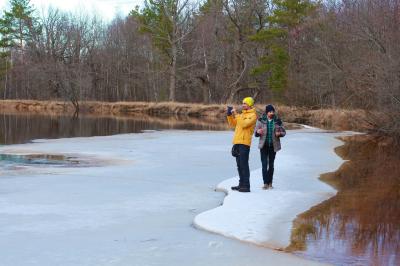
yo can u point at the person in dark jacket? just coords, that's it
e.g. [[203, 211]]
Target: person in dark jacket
[[269, 129]]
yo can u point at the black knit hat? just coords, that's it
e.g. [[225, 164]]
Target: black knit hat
[[269, 108]]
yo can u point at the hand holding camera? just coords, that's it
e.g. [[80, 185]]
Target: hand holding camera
[[230, 110]]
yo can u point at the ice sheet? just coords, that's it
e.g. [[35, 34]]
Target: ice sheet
[[138, 212], [264, 217]]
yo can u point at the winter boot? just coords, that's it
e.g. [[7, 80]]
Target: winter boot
[[244, 189]]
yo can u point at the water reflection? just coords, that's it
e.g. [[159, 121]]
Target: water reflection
[[22, 128], [361, 224]]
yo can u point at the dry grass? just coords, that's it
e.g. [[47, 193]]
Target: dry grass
[[337, 119]]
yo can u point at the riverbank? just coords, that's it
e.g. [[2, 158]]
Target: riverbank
[[336, 119]]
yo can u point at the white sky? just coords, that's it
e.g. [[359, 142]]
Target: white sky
[[107, 8]]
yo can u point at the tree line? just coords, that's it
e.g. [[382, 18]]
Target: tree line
[[337, 53]]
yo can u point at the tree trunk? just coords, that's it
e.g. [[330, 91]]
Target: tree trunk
[[205, 88], [172, 74], [5, 80], [75, 103], [205, 80], [235, 87]]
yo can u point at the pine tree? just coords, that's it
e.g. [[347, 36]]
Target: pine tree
[[287, 16], [5, 36], [165, 21], [19, 26]]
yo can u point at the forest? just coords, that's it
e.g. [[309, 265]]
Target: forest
[[314, 54]]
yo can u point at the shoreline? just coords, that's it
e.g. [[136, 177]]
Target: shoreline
[[336, 119], [271, 233]]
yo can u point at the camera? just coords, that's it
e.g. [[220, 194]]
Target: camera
[[229, 110]]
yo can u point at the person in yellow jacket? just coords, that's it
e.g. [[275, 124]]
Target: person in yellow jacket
[[244, 124]]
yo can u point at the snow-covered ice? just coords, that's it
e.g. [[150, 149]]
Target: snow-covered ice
[[138, 206], [264, 217]]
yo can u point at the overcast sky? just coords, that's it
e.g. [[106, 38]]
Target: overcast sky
[[107, 8]]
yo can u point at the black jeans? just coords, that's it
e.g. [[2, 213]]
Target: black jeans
[[242, 162], [267, 161]]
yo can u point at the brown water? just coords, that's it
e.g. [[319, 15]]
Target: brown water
[[361, 224], [21, 128]]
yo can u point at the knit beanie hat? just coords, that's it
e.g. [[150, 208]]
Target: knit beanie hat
[[249, 101], [269, 108]]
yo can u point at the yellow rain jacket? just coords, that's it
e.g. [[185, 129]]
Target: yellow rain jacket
[[244, 126]]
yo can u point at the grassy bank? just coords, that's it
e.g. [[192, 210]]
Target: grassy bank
[[337, 119]]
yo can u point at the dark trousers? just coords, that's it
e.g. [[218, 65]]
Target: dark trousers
[[267, 161], [242, 162]]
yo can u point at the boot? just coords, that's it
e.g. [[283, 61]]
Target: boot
[[244, 189], [235, 188]]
